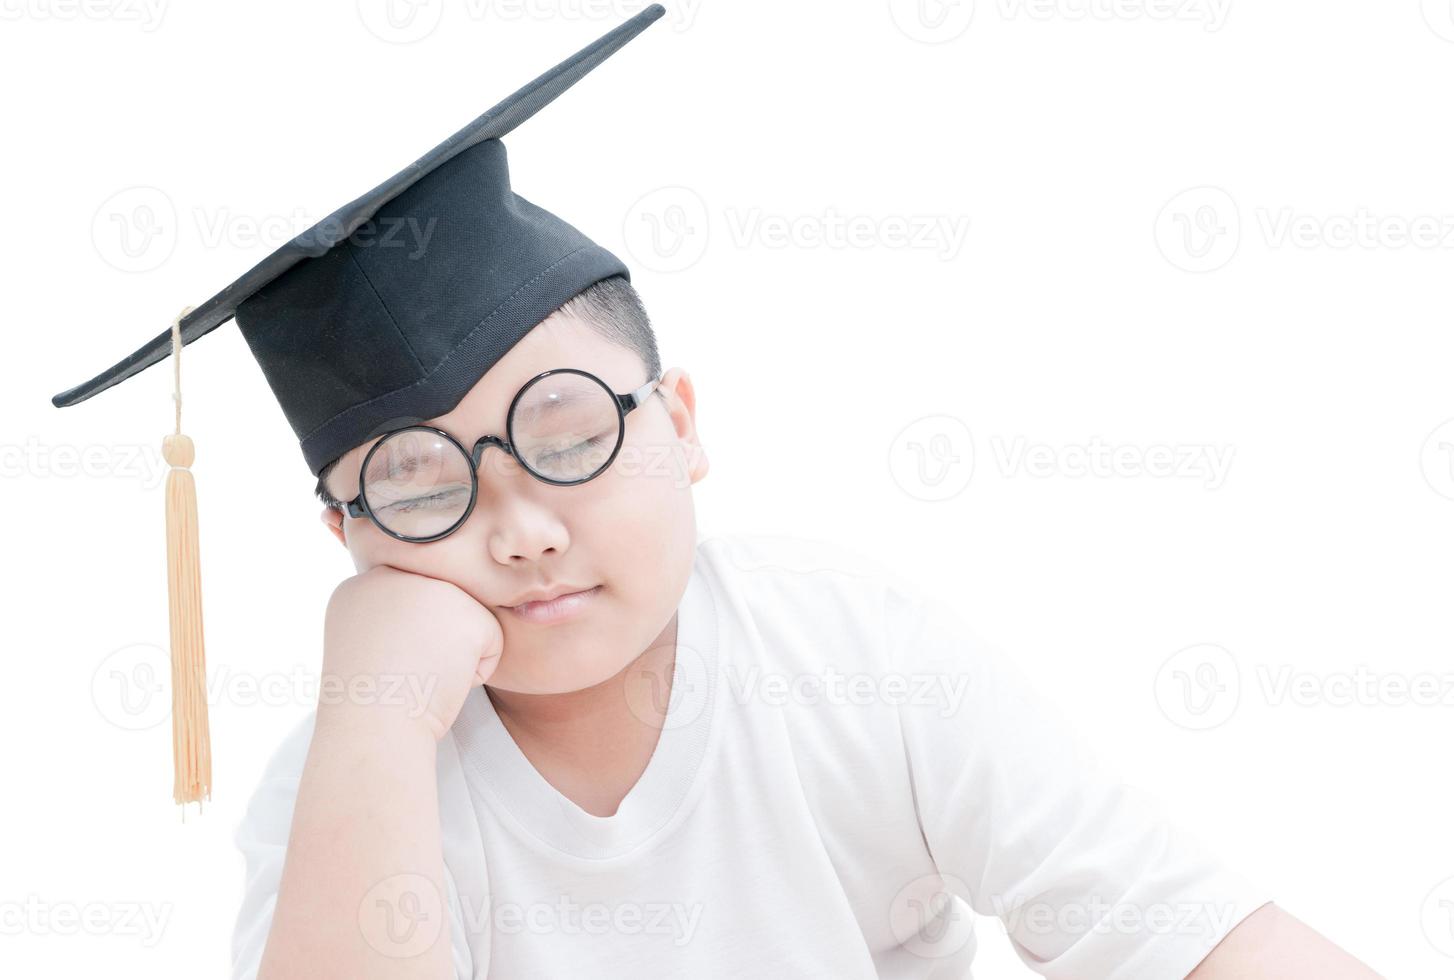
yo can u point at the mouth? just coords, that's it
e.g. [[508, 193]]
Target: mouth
[[548, 612]]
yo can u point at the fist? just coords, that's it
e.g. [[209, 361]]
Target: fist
[[402, 648]]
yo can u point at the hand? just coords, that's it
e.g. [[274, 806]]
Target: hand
[[403, 648]]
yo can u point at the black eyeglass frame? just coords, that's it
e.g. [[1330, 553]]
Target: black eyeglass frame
[[359, 507]]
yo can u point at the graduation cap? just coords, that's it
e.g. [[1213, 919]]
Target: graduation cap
[[391, 307]]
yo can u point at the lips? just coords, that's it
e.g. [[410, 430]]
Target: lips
[[546, 594], [557, 608]]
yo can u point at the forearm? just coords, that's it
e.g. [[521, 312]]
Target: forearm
[[362, 893], [1271, 945]]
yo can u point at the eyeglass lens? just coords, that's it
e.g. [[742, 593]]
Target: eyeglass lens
[[565, 428]]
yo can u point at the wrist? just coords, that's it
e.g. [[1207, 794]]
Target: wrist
[[390, 723]]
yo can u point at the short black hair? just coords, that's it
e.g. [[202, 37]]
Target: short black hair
[[613, 309]]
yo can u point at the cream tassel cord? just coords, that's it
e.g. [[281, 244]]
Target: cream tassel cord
[[191, 742]]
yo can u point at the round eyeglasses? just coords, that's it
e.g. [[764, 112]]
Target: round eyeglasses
[[564, 426]]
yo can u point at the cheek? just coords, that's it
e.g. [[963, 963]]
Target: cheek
[[371, 548]]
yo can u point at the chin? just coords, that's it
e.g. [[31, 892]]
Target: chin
[[557, 664]]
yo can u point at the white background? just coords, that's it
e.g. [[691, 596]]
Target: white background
[[1184, 229]]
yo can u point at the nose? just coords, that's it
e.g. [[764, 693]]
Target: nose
[[519, 525]]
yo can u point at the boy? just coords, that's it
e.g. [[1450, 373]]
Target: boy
[[617, 799], [576, 738]]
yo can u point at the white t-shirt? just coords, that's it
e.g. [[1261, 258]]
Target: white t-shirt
[[846, 770]]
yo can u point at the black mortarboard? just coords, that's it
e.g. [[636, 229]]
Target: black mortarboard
[[394, 305], [354, 335]]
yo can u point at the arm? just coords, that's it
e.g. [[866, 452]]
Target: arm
[[362, 892], [1088, 874], [366, 816], [1271, 945]]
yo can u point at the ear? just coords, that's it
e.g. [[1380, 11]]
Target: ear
[[333, 517], [681, 405]]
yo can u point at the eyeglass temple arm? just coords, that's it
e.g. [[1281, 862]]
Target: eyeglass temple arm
[[634, 399]]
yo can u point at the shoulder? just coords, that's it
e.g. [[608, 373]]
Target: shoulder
[[806, 568], [820, 599]]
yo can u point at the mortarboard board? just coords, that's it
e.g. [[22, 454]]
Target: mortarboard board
[[353, 335]]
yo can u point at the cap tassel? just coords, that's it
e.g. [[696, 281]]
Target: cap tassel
[[191, 742]]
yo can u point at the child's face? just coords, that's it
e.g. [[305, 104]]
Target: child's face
[[631, 530]]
